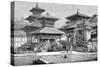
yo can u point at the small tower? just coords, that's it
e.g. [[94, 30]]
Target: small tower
[[36, 13], [37, 10]]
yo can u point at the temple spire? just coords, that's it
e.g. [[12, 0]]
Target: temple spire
[[36, 5], [77, 11], [37, 10]]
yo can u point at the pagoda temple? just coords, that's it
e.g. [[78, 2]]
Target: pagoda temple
[[78, 29], [47, 34], [73, 20], [41, 38], [36, 13]]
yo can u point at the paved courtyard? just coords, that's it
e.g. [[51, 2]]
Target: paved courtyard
[[27, 59]]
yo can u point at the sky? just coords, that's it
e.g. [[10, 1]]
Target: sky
[[58, 10]]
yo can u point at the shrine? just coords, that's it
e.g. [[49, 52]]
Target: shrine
[[33, 18], [78, 29], [47, 34], [41, 39]]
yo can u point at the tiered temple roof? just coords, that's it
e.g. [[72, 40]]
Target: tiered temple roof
[[48, 20], [36, 13], [32, 18], [29, 29], [79, 19], [37, 9], [49, 17], [77, 16]]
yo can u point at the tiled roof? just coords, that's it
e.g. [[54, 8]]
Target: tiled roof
[[48, 16], [19, 32], [48, 30], [87, 23], [33, 17], [41, 17], [77, 15], [29, 29], [37, 8]]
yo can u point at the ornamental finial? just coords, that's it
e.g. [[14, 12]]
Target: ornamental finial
[[77, 11], [36, 5]]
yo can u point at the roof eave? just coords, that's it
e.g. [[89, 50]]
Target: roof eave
[[37, 9]]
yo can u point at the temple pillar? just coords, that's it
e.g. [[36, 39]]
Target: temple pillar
[[29, 39], [74, 37]]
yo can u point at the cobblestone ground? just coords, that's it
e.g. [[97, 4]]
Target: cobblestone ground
[[74, 57]]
